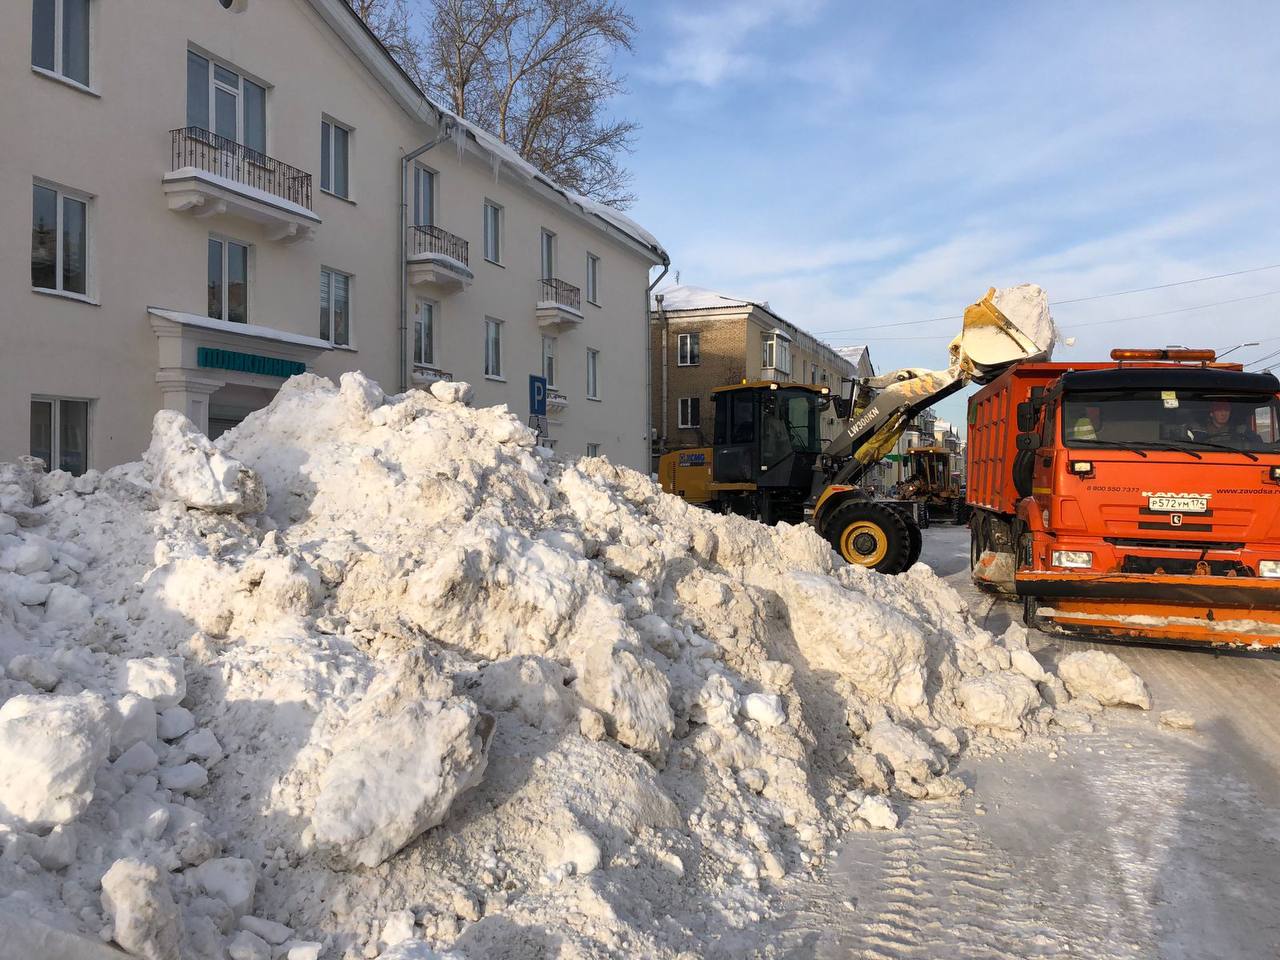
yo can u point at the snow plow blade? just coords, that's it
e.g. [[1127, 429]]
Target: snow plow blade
[[1232, 611]]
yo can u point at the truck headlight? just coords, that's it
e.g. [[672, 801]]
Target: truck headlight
[[1081, 558], [1269, 568]]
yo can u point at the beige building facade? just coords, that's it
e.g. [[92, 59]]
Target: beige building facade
[[701, 339], [200, 198]]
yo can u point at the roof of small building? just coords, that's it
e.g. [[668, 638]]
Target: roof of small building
[[686, 298]]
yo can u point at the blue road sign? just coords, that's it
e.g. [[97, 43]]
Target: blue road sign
[[537, 396]]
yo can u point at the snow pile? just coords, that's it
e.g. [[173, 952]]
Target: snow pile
[[378, 676]]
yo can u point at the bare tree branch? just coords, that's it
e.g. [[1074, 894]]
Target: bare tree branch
[[537, 73]]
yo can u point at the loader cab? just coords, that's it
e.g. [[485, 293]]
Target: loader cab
[[767, 435]]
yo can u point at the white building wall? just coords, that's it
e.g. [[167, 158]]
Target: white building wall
[[114, 144]]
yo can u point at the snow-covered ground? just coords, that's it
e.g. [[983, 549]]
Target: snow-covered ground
[[376, 676], [1150, 842]]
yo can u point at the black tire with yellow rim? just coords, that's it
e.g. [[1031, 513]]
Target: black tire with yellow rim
[[872, 535]]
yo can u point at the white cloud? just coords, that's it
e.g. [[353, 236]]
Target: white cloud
[[710, 46]]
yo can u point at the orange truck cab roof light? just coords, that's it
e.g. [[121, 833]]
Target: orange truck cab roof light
[[1207, 356]]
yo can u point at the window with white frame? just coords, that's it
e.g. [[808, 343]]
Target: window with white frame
[[493, 348], [688, 350], [424, 334], [593, 374], [593, 449], [813, 373], [60, 433], [690, 412], [223, 102], [335, 157], [228, 280], [777, 353], [60, 38], [335, 307], [593, 279], [547, 244], [424, 197], [549, 360], [59, 240], [492, 232]]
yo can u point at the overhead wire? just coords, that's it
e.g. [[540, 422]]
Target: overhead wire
[[1058, 303]]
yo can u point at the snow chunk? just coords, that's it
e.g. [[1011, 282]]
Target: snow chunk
[[145, 920], [998, 700], [577, 853], [248, 946], [398, 765], [878, 813], [1105, 677], [270, 931], [230, 879], [764, 708], [174, 722], [184, 465], [1177, 720], [50, 751], [161, 679]]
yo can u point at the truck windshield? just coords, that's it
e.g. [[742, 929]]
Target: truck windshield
[[1182, 419]]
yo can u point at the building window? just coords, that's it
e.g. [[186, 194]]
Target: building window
[[593, 279], [60, 433], [690, 414], [547, 244], [59, 240], [593, 374], [777, 353], [493, 348], [549, 360], [424, 334], [813, 373], [593, 449], [688, 350], [424, 197], [335, 307], [492, 232], [223, 102], [335, 146], [228, 280], [60, 38]]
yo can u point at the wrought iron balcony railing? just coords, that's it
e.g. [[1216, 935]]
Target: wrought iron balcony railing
[[204, 150], [424, 240], [558, 291]]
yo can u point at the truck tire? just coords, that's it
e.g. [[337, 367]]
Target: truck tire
[[871, 535], [977, 539], [917, 544]]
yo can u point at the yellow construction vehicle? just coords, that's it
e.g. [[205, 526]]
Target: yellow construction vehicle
[[767, 459]]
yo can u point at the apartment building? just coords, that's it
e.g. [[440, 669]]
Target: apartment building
[[223, 193], [701, 339]]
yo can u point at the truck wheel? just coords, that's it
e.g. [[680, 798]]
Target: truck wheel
[[871, 535], [977, 536], [1030, 612]]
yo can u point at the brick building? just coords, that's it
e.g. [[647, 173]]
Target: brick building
[[700, 339]]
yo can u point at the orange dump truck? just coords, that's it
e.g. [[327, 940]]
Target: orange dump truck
[[1137, 499]]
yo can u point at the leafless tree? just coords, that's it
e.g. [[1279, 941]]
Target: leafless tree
[[538, 73], [393, 23]]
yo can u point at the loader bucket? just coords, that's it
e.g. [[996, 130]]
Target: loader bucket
[[1005, 327]]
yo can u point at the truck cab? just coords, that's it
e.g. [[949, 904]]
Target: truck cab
[[1145, 496]]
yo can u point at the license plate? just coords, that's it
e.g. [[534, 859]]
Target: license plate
[[1178, 504]]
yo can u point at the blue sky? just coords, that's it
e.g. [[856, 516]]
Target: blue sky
[[860, 164]]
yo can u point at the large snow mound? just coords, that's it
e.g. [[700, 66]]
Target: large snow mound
[[377, 675]]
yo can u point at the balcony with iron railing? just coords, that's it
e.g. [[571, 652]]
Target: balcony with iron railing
[[559, 304], [437, 258], [211, 175]]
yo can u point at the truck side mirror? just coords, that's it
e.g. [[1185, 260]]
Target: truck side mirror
[[1026, 416], [1028, 441]]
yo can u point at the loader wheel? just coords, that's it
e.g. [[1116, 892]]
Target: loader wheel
[[917, 544], [872, 536]]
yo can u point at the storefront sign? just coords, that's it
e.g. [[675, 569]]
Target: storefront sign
[[248, 363]]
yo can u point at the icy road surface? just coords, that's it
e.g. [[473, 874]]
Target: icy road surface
[[1147, 843]]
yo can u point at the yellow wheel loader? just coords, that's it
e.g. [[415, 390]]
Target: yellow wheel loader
[[767, 460]]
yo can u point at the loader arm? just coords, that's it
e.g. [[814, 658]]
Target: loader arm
[[988, 344]]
